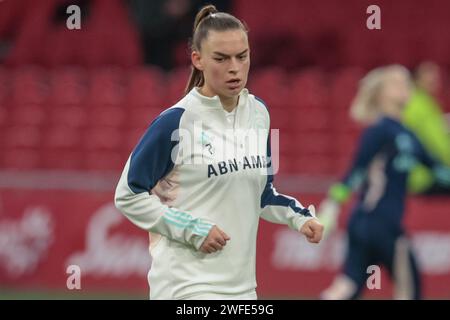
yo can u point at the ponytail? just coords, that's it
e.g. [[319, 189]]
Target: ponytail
[[208, 18], [195, 79], [202, 14]]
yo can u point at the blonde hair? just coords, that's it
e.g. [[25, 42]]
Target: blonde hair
[[365, 108]]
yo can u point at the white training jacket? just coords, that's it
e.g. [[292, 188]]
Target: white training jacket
[[192, 169]]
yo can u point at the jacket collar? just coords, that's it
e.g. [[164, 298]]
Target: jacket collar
[[214, 102]]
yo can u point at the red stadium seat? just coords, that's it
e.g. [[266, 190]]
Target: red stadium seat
[[312, 143], [106, 87], [61, 137], [119, 40], [27, 115], [29, 86], [104, 161], [21, 137], [146, 89], [11, 15], [106, 116], [436, 49], [104, 138], [68, 87], [62, 159], [340, 164], [61, 148], [282, 164], [71, 116], [342, 121], [311, 164], [286, 143], [30, 33], [60, 46], [343, 150], [3, 116], [176, 84], [267, 81], [282, 120], [20, 158], [141, 118], [307, 119], [4, 84], [308, 90], [346, 140], [344, 85], [41, 39]]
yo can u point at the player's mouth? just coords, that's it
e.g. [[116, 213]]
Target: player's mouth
[[234, 83]]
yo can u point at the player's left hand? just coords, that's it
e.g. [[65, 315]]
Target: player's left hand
[[313, 230]]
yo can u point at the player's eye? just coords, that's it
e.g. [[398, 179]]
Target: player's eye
[[219, 59]]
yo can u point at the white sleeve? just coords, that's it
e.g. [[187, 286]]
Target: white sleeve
[[147, 212], [279, 208], [149, 162]]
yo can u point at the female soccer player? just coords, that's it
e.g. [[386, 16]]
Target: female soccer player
[[200, 178], [387, 152]]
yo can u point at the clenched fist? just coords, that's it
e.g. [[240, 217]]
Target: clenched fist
[[215, 240], [313, 230]]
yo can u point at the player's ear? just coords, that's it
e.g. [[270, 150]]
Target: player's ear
[[196, 60]]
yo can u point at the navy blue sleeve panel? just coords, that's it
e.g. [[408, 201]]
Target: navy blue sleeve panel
[[423, 155], [440, 171], [372, 140], [151, 159], [269, 196]]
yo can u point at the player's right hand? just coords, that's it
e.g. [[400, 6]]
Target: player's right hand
[[215, 240]]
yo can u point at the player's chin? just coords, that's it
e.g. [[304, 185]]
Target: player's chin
[[233, 91]]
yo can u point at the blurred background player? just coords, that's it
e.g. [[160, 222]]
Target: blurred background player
[[424, 116], [387, 152]]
